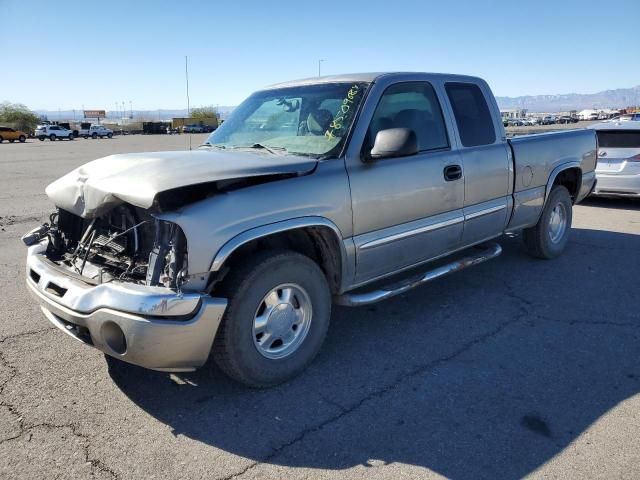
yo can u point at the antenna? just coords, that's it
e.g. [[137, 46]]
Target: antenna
[[186, 74]]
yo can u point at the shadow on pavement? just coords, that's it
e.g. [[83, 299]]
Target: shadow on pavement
[[619, 203], [483, 374]]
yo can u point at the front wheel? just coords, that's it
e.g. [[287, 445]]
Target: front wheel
[[52, 137], [550, 235], [94, 135], [109, 135], [70, 137], [276, 320], [22, 139]]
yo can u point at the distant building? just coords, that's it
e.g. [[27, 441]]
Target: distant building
[[513, 113]]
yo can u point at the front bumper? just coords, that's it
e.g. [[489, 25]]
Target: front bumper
[[153, 327]]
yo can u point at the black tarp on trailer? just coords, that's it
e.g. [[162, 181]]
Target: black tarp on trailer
[[152, 128]]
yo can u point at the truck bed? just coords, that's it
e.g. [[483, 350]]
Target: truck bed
[[537, 158]]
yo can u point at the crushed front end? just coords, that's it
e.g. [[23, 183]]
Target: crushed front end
[[114, 282]]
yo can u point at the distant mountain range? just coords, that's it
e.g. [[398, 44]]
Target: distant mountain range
[[618, 98], [151, 115]]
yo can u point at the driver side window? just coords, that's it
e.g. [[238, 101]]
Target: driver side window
[[412, 105]]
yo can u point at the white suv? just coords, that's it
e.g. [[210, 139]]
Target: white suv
[[95, 131], [54, 132]]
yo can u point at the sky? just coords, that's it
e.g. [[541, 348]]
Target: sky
[[65, 55]]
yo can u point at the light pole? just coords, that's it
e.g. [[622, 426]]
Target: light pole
[[320, 63], [186, 75]]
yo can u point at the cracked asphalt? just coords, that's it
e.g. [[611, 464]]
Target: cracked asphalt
[[516, 367]]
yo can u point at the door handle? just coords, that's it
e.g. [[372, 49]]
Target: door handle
[[452, 172]]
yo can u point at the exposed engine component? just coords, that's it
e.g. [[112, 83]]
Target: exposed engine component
[[126, 244]]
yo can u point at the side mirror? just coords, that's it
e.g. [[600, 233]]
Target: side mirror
[[394, 142]]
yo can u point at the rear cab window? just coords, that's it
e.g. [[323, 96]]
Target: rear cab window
[[472, 114]]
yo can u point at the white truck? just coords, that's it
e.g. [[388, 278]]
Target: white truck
[[95, 131]]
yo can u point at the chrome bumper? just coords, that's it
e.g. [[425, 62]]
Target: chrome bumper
[[153, 327]]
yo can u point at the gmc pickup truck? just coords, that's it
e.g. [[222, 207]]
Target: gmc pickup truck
[[313, 192]]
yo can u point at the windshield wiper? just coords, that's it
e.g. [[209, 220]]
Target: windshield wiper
[[207, 144], [260, 146]]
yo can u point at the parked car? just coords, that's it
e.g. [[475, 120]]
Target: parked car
[[530, 121], [566, 119], [53, 132], [618, 169], [11, 134], [95, 131], [193, 129], [239, 247], [625, 118], [548, 120], [516, 122]]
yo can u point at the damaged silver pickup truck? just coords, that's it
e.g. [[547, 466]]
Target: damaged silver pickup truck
[[313, 192]]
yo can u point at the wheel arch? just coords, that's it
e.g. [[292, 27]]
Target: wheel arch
[[316, 237], [568, 175]]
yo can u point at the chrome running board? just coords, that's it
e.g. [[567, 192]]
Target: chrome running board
[[487, 252]]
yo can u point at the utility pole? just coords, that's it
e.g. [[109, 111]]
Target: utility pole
[[186, 74], [319, 63]]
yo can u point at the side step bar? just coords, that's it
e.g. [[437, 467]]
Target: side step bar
[[487, 252]]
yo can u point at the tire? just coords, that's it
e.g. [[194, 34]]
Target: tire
[[548, 239], [22, 139], [109, 135], [52, 137], [237, 349], [41, 138], [94, 135], [70, 137]]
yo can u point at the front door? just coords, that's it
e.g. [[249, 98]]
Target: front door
[[404, 209]]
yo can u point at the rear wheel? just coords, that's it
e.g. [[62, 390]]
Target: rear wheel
[[70, 137], [109, 135], [277, 318], [22, 139], [549, 237], [94, 135], [52, 137]]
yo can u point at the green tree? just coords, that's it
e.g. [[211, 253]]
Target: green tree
[[18, 116], [204, 112]]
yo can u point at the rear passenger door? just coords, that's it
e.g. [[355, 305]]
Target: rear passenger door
[[486, 160]]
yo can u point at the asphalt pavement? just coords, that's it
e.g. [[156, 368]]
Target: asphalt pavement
[[516, 367]]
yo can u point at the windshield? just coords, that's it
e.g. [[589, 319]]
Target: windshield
[[310, 120]]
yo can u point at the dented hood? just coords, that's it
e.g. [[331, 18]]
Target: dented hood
[[137, 178]]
